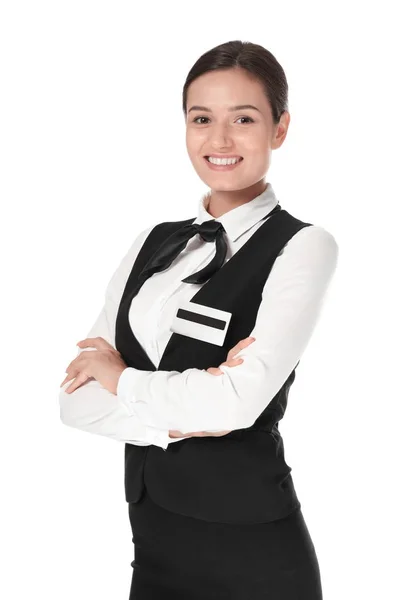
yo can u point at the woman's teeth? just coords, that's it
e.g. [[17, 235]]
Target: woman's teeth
[[223, 161]]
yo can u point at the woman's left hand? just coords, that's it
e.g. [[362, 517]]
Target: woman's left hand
[[105, 365]]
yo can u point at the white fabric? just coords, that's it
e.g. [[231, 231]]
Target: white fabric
[[150, 403]]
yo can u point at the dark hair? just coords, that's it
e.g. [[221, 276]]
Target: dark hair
[[256, 60]]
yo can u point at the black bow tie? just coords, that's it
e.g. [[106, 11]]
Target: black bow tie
[[210, 231]]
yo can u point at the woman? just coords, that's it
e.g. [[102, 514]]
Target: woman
[[204, 324]]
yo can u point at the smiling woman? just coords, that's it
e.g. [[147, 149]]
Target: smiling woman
[[213, 516], [220, 125]]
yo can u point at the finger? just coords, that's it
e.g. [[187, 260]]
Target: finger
[[65, 380], [78, 381], [72, 376], [232, 362], [210, 433], [80, 364], [74, 365], [98, 342], [175, 433], [241, 344], [214, 371], [71, 373]]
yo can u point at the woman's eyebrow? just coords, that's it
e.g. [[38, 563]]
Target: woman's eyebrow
[[231, 108]]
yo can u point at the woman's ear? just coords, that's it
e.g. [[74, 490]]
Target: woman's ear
[[280, 130]]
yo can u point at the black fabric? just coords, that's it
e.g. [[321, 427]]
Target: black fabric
[[201, 319], [182, 558], [241, 477], [210, 231]]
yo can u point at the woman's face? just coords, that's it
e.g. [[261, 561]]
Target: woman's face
[[214, 128]]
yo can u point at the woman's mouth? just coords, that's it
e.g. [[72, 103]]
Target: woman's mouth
[[222, 164]]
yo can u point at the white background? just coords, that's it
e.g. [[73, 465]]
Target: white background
[[92, 145]]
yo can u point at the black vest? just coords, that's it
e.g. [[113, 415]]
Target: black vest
[[241, 477]]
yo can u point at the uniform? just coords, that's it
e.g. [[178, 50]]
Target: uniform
[[217, 517]]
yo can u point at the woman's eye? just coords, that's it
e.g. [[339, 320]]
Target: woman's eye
[[197, 118]]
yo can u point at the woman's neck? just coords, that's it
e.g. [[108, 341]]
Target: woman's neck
[[217, 203]]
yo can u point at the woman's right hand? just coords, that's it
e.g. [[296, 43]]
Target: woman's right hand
[[230, 362]]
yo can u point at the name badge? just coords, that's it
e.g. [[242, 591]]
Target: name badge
[[201, 322]]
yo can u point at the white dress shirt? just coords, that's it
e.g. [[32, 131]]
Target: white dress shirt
[[150, 403]]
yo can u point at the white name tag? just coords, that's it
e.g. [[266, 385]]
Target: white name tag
[[201, 322]]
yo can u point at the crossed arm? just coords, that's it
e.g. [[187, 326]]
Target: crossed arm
[[150, 403]]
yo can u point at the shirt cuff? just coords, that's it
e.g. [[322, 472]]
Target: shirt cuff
[[125, 386], [126, 383], [156, 437]]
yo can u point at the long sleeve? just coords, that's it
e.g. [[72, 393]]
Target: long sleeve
[[91, 407], [292, 299]]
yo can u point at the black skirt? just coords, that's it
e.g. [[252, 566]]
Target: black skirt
[[183, 558]]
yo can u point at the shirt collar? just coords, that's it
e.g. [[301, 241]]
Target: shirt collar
[[238, 220]]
